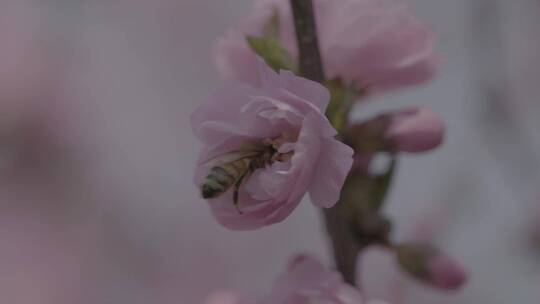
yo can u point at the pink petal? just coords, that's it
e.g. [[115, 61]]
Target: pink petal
[[219, 114], [380, 276], [334, 165], [306, 89], [234, 58]]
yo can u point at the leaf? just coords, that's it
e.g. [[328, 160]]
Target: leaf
[[275, 55]]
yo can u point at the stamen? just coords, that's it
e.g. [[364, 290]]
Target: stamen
[[268, 142], [284, 157]]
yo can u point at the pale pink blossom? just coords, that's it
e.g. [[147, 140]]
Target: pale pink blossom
[[426, 264], [306, 281], [27, 71], [382, 278], [415, 130], [286, 116], [378, 45]]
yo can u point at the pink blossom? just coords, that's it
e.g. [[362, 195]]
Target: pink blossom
[[375, 44], [285, 117], [27, 71], [415, 130], [306, 281], [381, 278]]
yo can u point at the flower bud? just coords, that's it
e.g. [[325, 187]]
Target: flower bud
[[415, 130], [431, 266], [411, 130]]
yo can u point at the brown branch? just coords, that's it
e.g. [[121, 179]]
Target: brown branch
[[345, 246], [308, 46]]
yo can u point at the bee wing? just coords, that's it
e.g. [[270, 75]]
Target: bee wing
[[246, 149], [229, 157]]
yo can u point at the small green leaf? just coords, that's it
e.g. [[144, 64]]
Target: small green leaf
[[275, 55]]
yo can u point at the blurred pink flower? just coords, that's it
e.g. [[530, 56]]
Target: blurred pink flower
[[415, 130], [27, 71], [306, 281], [375, 44], [288, 111], [381, 278]]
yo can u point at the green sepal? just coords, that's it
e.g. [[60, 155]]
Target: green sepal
[[271, 50]]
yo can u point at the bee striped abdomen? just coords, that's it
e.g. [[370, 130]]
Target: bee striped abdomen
[[222, 178]]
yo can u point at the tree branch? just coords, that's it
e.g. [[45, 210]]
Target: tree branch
[[345, 246], [308, 46]]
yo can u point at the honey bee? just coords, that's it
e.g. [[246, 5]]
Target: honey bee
[[231, 174]]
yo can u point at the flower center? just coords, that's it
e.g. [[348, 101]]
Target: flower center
[[278, 144]]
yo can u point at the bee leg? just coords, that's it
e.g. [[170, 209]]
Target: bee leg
[[236, 192]]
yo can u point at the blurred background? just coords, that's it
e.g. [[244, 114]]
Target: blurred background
[[97, 204]]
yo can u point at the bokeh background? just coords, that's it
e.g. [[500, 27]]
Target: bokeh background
[[97, 204]]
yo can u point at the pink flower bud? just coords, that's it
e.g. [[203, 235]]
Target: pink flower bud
[[415, 130], [431, 266], [446, 272], [308, 281]]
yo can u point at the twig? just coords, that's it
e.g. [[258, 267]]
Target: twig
[[308, 45], [345, 246]]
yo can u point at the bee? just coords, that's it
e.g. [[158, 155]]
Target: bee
[[231, 174]]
